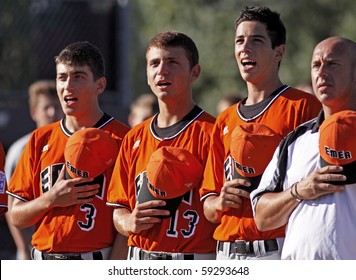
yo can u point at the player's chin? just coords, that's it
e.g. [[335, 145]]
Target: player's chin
[[69, 111], [162, 95], [248, 76]]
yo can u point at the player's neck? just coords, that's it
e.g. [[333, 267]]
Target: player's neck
[[75, 123], [170, 114], [258, 92]]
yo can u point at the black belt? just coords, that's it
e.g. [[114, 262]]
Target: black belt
[[242, 247], [69, 256], [161, 256]]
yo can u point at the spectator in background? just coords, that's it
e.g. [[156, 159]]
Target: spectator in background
[[44, 109], [226, 101], [145, 106]]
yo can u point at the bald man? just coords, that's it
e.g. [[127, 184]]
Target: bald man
[[318, 204]]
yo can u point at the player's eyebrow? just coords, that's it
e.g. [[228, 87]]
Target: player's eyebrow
[[80, 73], [77, 72], [257, 36]]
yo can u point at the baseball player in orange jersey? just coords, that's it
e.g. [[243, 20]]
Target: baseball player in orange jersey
[[69, 224], [3, 195], [270, 102], [172, 68]]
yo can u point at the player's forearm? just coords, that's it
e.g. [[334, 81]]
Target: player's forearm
[[120, 218], [211, 213], [274, 209], [25, 214]]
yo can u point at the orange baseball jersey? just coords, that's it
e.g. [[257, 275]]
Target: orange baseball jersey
[[282, 111], [78, 228], [3, 195], [187, 231]]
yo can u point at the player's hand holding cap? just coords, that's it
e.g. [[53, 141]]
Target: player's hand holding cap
[[170, 173], [88, 153], [252, 148], [337, 144]]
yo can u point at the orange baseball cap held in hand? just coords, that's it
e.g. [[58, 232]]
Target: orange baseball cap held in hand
[[88, 153], [171, 172], [252, 148], [337, 143]]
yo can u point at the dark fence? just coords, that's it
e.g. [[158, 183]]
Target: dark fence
[[32, 32]]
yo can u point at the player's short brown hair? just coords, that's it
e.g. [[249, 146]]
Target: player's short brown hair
[[41, 87], [176, 39], [83, 53], [275, 27]]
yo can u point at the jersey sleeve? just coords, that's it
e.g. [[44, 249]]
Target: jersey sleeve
[[118, 188], [213, 178], [20, 185]]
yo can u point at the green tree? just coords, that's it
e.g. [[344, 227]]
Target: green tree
[[16, 45], [210, 23]]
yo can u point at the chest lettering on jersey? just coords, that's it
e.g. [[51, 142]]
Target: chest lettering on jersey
[[50, 175], [229, 168], [187, 198], [139, 183]]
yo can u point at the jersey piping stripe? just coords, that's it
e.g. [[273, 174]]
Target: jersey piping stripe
[[64, 129], [106, 122], [208, 194], [16, 196], [118, 205], [102, 122], [179, 132], [264, 110]]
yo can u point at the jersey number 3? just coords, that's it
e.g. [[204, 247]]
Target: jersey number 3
[[48, 178]]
